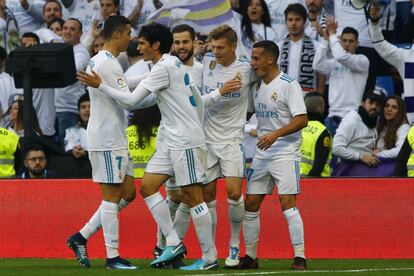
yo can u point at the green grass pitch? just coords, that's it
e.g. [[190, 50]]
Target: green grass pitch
[[267, 267]]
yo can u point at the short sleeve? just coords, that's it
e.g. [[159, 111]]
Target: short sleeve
[[295, 100]]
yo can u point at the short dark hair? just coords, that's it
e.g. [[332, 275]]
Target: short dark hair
[[32, 35], [132, 50], [59, 20], [350, 30], [83, 98], [269, 47], [184, 28], [34, 147], [297, 9], [77, 20], [50, 1], [114, 23], [154, 32]]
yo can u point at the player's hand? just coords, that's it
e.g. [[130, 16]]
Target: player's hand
[[374, 14], [92, 80], [370, 160], [264, 142], [230, 86]]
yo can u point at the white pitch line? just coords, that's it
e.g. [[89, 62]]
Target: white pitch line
[[311, 271]]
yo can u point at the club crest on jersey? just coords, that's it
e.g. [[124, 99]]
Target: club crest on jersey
[[274, 97], [121, 83], [212, 65], [238, 76]]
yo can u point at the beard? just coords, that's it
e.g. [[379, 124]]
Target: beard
[[37, 171], [187, 57]]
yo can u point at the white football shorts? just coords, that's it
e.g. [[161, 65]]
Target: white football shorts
[[111, 166]]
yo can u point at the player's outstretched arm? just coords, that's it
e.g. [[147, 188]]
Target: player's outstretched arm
[[129, 100]]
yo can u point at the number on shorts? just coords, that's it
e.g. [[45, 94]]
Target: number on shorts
[[119, 159]]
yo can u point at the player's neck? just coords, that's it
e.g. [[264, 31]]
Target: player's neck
[[230, 61], [189, 62], [156, 57], [271, 75], [111, 48]]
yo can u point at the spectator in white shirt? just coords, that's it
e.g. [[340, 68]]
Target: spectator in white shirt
[[392, 128], [347, 71], [66, 98], [56, 25], [317, 19]]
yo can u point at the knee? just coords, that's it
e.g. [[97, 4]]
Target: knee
[[209, 196], [251, 205], [287, 202], [234, 195], [174, 196]]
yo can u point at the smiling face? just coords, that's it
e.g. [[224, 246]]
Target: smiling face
[[183, 46], [71, 32]]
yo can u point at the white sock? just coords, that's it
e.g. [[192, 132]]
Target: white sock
[[123, 203], [93, 225], [110, 225], [295, 223], [172, 206], [182, 220], [251, 229], [213, 213], [202, 224], [159, 209], [236, 216]]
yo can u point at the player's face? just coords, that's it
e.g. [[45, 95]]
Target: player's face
[[84, 111], [35, 162], [349, 42], [390, 109], [259, 63], [144, 47], [52, 10], [183, 46], [295, 24], [255, 11], [223, 50], [71, 32], [125, 37], [108, 8]]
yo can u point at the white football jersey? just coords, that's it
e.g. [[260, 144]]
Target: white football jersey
[[275, 105], [107, 122], [224, 121], [170, 82], [196, 73]]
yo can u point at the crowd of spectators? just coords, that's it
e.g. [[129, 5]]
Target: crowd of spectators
[[329, 47]]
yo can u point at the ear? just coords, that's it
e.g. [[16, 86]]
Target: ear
[[25, 164], [156, 45], [234, 46]]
